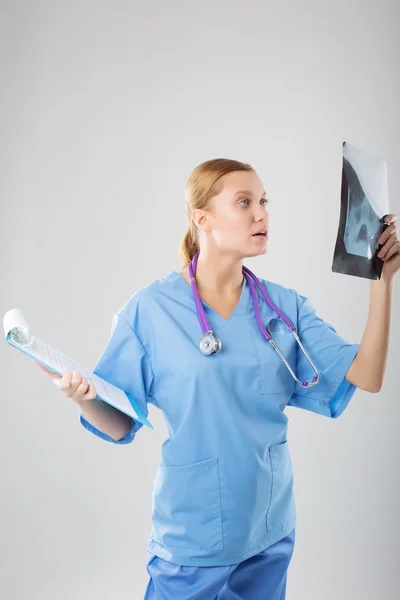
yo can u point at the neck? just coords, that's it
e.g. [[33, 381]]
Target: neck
[[218, 273]]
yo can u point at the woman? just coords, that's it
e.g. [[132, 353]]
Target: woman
[[223, 515]]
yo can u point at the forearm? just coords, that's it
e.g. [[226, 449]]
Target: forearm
[[372, 355], [105, 417]]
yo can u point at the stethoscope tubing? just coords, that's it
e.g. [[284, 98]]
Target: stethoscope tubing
[[216, 343]]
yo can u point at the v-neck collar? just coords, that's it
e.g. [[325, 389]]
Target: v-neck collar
[[239, 308]]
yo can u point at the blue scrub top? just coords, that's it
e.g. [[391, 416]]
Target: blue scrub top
[[223, 490]]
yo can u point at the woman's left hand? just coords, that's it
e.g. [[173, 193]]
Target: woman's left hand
[[390, 252]]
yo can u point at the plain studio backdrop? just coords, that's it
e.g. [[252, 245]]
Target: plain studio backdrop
[[106, 107]]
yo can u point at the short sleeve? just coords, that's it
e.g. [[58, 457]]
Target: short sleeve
[[332, 356], [124, 363]]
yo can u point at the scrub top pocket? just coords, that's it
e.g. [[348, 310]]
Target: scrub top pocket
[[275, 377], [186, 508]]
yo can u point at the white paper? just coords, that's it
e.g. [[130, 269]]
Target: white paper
[[16, 328]]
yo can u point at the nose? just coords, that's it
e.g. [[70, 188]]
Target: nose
[[260, 211], [261, 215]]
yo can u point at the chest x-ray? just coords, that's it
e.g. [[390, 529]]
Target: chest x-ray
[[364, 205]]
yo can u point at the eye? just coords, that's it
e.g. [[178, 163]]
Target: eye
[[265, 201]]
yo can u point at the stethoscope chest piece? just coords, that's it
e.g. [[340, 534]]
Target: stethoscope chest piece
[[209, 344]]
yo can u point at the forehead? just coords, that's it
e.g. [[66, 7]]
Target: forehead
[[241, 180]]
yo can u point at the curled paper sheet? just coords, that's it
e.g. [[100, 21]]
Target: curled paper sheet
[[18, 334], [364, 205], [16, 325]]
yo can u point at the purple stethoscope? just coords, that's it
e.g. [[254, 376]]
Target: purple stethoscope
[[210, 344]]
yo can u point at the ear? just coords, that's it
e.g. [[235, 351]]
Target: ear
[[201, 219]]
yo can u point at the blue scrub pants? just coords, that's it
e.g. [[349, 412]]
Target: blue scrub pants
[[260, 577]]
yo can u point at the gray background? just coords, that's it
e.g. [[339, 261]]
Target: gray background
[[106, 107]]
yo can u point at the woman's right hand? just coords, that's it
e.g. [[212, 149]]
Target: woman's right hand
[[72, 385]]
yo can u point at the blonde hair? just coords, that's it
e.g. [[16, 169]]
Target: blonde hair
[[202, 185]]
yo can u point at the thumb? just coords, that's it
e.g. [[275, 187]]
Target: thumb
[[52, 374]]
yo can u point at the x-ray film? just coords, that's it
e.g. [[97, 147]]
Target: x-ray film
[[363, 208]]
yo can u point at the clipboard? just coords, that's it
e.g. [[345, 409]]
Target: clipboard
[[18, 334]]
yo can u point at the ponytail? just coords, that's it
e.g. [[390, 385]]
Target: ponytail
[[188, 246]]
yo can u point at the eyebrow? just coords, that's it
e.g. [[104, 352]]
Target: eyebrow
[[247, 192]]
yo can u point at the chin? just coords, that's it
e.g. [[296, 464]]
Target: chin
[[261, 252], [258, 252]]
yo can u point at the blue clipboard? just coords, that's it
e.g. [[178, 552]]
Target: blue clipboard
[[139, 416]]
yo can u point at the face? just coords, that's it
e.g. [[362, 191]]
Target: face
[[234, 216]]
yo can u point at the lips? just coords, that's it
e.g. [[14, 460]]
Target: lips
[[262, 230]]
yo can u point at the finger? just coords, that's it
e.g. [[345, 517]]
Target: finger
[[82, 388], [76, 380], [391, 218], [64, 382], [387, 246], [85, 391], [52, 374], [42, 367], [386, 234], [91, 393], [393, 250]]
